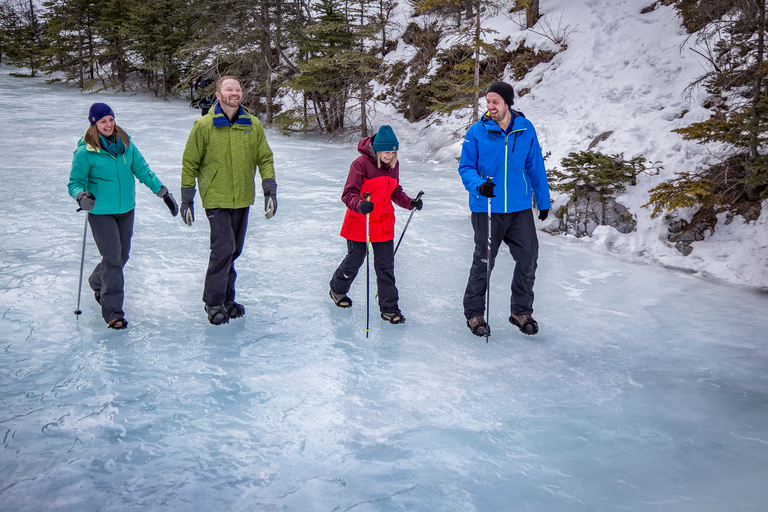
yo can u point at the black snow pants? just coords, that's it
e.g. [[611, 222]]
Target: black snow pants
[[383, 264], [518, 231], [112, 234], [228, 227]]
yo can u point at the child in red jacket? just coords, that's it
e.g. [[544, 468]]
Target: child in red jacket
[[375, 172]]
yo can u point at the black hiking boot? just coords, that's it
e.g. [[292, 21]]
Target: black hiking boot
[[217, 315], [234, 310]]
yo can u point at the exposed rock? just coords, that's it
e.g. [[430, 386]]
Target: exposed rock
[[581, 216], [600, 138], [683, 233]]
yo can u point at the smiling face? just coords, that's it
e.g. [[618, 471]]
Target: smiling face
[[106, 126], [387, 156], [498, 110], [230, 93]]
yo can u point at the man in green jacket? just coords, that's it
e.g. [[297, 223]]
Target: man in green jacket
[[223, 151]]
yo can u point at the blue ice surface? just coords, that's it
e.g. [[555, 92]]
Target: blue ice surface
[[646, 389]]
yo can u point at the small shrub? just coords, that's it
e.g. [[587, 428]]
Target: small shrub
[[606, 174], [684, 191]]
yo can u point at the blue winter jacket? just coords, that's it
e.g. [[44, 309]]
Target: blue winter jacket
[[512, 160]]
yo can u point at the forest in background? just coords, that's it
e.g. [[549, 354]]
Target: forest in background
[[314, 65]]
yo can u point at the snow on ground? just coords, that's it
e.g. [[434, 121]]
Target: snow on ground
[[625, 72]]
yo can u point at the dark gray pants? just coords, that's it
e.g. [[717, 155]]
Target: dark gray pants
[[228, 227], [383, 264], [112, 234], [518, 231]]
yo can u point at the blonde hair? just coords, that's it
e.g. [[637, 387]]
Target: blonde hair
[[391, 162], [92, 136]]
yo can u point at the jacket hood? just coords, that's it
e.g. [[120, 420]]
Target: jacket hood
[[365, 148]]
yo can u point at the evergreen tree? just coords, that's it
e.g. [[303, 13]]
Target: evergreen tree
[[156, 34], [23, 43], [70, 30], [327, 72], [605, 174], [734, 33]]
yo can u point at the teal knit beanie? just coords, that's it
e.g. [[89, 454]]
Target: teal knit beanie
[[385, 139]]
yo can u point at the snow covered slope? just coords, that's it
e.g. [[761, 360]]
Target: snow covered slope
[[624, 72]]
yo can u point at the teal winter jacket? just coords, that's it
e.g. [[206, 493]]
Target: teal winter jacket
[[512, 160], [111, 179]]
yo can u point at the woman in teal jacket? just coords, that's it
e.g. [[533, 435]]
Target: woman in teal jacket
[[104, 169]]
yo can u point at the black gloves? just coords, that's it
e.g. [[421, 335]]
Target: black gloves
[[269, 186], [86, 201], [543, 214], [486, 189], [366, 207], [417, 203], [187, 209], [168, 199]]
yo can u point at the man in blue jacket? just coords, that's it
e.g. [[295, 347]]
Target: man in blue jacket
[[501, 159]]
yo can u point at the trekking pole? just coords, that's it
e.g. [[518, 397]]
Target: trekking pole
[[418, 196], [488, 276], [82, 261], [367, 270]]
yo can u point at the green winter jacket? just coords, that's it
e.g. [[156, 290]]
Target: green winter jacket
[[110, 178], [223, 158]]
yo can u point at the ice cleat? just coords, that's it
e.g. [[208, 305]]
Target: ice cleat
[[525, 323], [478, 326], [217, 315], [234, 310]]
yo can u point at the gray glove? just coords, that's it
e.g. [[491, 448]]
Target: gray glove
[[86, 201], [270, 197], [187, 209], [168, 199]]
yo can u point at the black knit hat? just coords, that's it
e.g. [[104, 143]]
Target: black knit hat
[[504, 90]]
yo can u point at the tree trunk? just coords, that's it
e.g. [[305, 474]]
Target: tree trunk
[[532, 13], [268, 94], [752, 194]]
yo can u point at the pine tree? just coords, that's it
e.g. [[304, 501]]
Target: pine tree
[[734, 33], [24, 45], [156, 33], [70, 30], [327, 73]]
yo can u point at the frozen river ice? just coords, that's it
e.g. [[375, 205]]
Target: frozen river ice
[[646, 389]]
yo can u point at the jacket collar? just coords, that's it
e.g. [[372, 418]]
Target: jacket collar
[[492, 127], [219, 119]]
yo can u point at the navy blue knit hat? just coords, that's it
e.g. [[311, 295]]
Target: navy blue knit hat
[[504, 90], [99, 110], [385, 140]]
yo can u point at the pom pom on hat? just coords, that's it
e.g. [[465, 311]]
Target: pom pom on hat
[[97, 111], [504, 90], [385, 139]]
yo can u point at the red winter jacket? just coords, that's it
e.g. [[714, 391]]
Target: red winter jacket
[[383, 185]]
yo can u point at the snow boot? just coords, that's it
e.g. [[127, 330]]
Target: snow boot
[[478, 326], [217, 315], [525, 323], [118, 324], [234, 310], [340, 299], [393, 317]]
